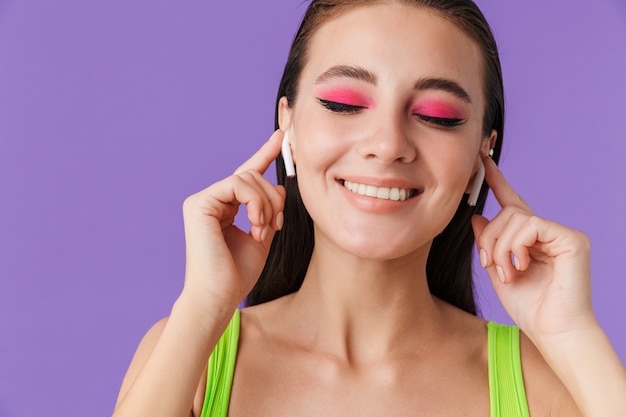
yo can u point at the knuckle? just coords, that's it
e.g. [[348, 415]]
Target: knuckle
[[500, 253], [240, 176], [249, 174], [534, 220], [192, 204], [277, 198], [508, 211], [517, 215], [487, 237], [583, 239], [514, 210]]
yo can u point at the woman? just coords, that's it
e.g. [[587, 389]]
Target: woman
[[364, 306]]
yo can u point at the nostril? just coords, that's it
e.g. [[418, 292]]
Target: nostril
[[388, 148]]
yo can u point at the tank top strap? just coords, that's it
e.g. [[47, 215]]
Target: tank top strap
[[220, 371], [506, 383]]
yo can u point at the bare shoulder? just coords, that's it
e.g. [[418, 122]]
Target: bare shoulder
[[145, 348], [263, 319], [466, 326], [546, 394], [250, 329]]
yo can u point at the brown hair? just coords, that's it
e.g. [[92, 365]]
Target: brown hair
[[449, 263]]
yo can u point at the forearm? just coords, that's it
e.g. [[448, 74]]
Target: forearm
[[590, 369], [167, 382]]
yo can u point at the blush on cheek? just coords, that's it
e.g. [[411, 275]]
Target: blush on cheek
[[439, 109], [346, 96]]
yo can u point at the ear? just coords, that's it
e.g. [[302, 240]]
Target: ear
[[285, 122], [486, 146]]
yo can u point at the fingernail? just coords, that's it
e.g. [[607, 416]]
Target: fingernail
[[264, 233], [483, 258], [280, 220], [517, 263], [262, 218], [501, 274]]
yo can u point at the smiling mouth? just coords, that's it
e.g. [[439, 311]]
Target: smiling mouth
[[383, 193]]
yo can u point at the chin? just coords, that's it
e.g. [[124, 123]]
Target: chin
[[378, 246]]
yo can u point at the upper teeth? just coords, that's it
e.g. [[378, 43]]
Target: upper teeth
[[386, 193]]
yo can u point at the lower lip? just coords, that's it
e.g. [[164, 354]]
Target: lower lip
[[375, 205]]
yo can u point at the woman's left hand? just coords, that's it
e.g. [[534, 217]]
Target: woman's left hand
[[540, 269]]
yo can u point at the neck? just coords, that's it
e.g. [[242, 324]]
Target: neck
[[362, 309]]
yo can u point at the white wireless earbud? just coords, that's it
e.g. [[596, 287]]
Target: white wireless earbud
[[287, 157], [478, 183]]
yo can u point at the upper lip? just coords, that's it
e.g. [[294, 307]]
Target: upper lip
[[382, 182]]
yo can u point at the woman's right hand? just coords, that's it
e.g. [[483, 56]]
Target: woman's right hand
[[223, 262]]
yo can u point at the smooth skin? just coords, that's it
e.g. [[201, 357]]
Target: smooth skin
[[547, 292], [223, 263], [364, 336]]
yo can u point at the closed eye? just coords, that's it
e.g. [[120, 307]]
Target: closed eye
[[340, 107], [441, 121]]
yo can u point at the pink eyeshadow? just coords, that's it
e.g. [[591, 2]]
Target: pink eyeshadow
[[346, 96], [438, 109]]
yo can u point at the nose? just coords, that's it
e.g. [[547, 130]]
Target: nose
[[388, 143]]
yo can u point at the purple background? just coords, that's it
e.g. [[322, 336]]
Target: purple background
[[112, 112]]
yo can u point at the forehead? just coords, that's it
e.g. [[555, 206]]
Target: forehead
[[397, 42]]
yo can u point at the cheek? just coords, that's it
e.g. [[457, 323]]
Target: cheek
[[317, 155], [320, 144], [451, 170]]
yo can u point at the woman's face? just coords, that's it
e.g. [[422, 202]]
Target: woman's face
[[390, 104]]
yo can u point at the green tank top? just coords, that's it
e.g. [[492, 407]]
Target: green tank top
[[506, 385]]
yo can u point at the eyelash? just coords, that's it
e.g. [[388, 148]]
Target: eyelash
[[340, 107], [441, 121], [351, 109]]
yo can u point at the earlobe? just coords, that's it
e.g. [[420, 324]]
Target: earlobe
[[488, 144], [284, 114], [492, 142]]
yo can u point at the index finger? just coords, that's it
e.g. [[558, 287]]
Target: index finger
[[502, 190], [264, 157]]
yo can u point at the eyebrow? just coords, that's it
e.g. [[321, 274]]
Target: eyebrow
[[346, 71], [358, 73], [443, 84]]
